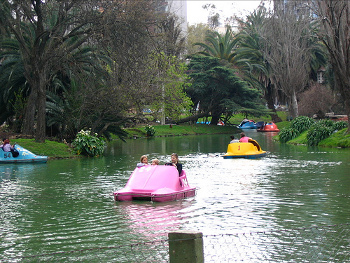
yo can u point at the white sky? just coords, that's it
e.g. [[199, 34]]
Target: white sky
[[196, 14]]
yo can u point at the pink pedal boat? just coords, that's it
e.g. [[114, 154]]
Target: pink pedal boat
[[158, 183]]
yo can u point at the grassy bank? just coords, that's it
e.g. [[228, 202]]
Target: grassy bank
[[178, 130], [337, 139], [49, 148], [55, 149]]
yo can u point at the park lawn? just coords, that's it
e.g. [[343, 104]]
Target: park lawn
[[179, 130], [52, 149], [338, 139]]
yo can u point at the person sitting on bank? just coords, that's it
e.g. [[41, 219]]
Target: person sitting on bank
[[175, 162], [6, 146], [244, 138], [143, 161], [233, 140]]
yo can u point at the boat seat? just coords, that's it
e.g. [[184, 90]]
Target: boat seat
[[183, 180], [255, 144]]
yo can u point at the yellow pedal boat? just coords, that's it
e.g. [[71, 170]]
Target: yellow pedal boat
[[249, 150]]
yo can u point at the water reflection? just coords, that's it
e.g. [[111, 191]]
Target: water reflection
[[154, 220]]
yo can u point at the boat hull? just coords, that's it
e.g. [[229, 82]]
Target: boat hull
[[248, 150], [269, 127], [157, 183], [24, 156], [247, 125]]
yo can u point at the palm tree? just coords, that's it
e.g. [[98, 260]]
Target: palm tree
[[250, 57], [14, 88], [222, 47]]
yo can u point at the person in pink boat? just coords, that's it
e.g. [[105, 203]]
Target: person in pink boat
[[175, 162], [143, 161]]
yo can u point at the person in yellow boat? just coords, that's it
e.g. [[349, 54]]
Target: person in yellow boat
[[244, 138], [233, 140]]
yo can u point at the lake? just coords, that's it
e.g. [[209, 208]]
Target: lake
[[67, 205]]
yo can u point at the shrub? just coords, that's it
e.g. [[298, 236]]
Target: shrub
[[150, 131], [87, 144], [339, 125], [287, 134], [319, 131], [301, 123]]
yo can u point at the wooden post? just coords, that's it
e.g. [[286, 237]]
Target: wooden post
[[186, 247]]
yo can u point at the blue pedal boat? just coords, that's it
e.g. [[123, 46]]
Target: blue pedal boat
[[247, 124], [24, 156]]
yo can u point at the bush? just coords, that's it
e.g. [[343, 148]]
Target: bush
[[150, 131], [319, 131], [88, 145], [339, 125], [287, 134], [297, 126], [301, 123]]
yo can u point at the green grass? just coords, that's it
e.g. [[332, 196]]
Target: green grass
[[49, 148], [338, 139], [178, 130], [301, 139]]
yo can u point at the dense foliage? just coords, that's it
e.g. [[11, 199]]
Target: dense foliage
[[217, 88], [88, 144], [323, 129], [316, 131], [298, 125]]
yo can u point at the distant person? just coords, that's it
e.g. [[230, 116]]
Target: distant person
[[233, 140], [155, 162], [244, 138], [6, 146], [143, 161], [175, 162]]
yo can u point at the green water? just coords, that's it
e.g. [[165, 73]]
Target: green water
[[66, 205]]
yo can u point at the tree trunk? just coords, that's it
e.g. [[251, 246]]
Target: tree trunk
[[193, 117], [215, 115], [29, 116], [293, 106], [270, 102], [41, 115]]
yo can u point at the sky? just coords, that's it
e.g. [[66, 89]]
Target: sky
[[196, 14]]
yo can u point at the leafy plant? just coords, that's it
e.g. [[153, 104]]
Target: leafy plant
[[339, 125], [319, 131], [287, 134], [150, 131], [87, 144], [301, 123]]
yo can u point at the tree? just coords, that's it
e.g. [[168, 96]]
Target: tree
[[251, 60], [222, 47], [218, 89], [334, 18], [50, 34], [289, 37], [169, 98], [47, 34], [196, 34]]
